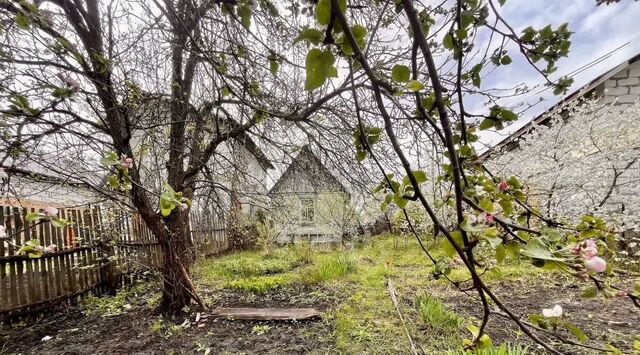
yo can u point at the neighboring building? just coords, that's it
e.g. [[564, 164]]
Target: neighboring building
[[583, 154], [34, 185], [309, 204]]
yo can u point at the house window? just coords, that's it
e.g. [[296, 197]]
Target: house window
[[307, 209]]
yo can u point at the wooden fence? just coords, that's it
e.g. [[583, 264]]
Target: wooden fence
[[79, 264]]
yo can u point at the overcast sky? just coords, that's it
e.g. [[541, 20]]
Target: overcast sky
[[598, 30]]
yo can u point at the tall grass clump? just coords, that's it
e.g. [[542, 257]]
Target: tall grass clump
[[331, 267], [435, 314]]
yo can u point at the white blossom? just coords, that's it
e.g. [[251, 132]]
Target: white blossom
[[586, 162]]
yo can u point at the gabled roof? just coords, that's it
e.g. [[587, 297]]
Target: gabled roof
[[309, 165], [544, 117]]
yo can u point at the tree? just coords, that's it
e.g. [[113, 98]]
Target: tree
[[489, 210], [580, 163], [78, 75]]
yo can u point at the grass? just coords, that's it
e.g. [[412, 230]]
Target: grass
[[435, 314], [363, 318]]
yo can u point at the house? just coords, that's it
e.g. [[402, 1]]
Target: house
[[308, 203], [582, 155]]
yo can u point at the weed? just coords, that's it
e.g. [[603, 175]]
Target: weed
[[303, 252], [164, 328], [435, 314], [260, 329], [107, 306], [155, 326]]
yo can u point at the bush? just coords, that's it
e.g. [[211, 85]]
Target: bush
[[435, 314]]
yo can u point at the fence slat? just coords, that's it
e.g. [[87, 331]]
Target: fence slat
[[76, 269]]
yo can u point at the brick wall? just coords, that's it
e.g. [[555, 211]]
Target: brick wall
[[624, 87]]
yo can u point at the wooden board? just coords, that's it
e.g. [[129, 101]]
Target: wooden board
[[266, 313]]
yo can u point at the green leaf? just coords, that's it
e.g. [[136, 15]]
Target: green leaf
[[420, 176], [507, 206], [323, 12], [400, 201], [486, 204], [22, 20], [319, 66], [576, 331], [487, 123], [310, 35], [447, 41], [58, 222], [506, 60], [360, 155], [536, 248], [244, 12], [466, 19], [359, 32], [33, 216], [415, 86], [400, 73], [508, 115], [448, 248], [226, 91]]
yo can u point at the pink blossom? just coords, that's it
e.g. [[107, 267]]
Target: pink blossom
[[39, 248], [3, 231], [50, 211], [127, 163], [590, 252], [621, 293], [590, 243], [184, 206], [503, 185], [51, 248], [71, 83], [472, 218], [595, 264], [486, 217]]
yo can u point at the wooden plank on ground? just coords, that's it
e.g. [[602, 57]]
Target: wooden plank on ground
[[266, 313]]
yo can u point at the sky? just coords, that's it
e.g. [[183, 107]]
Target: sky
[[598, 30]]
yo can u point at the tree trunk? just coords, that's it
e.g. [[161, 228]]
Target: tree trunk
[[177, 250]]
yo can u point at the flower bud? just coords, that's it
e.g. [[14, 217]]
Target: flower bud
[[503, 185], [595, 264], [50, 211]]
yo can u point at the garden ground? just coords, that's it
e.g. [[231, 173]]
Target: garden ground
[[348, 287]]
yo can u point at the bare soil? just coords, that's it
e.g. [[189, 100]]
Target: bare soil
[[73, 332], [614, 321]]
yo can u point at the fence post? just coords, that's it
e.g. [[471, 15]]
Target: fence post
[[106, 250]]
